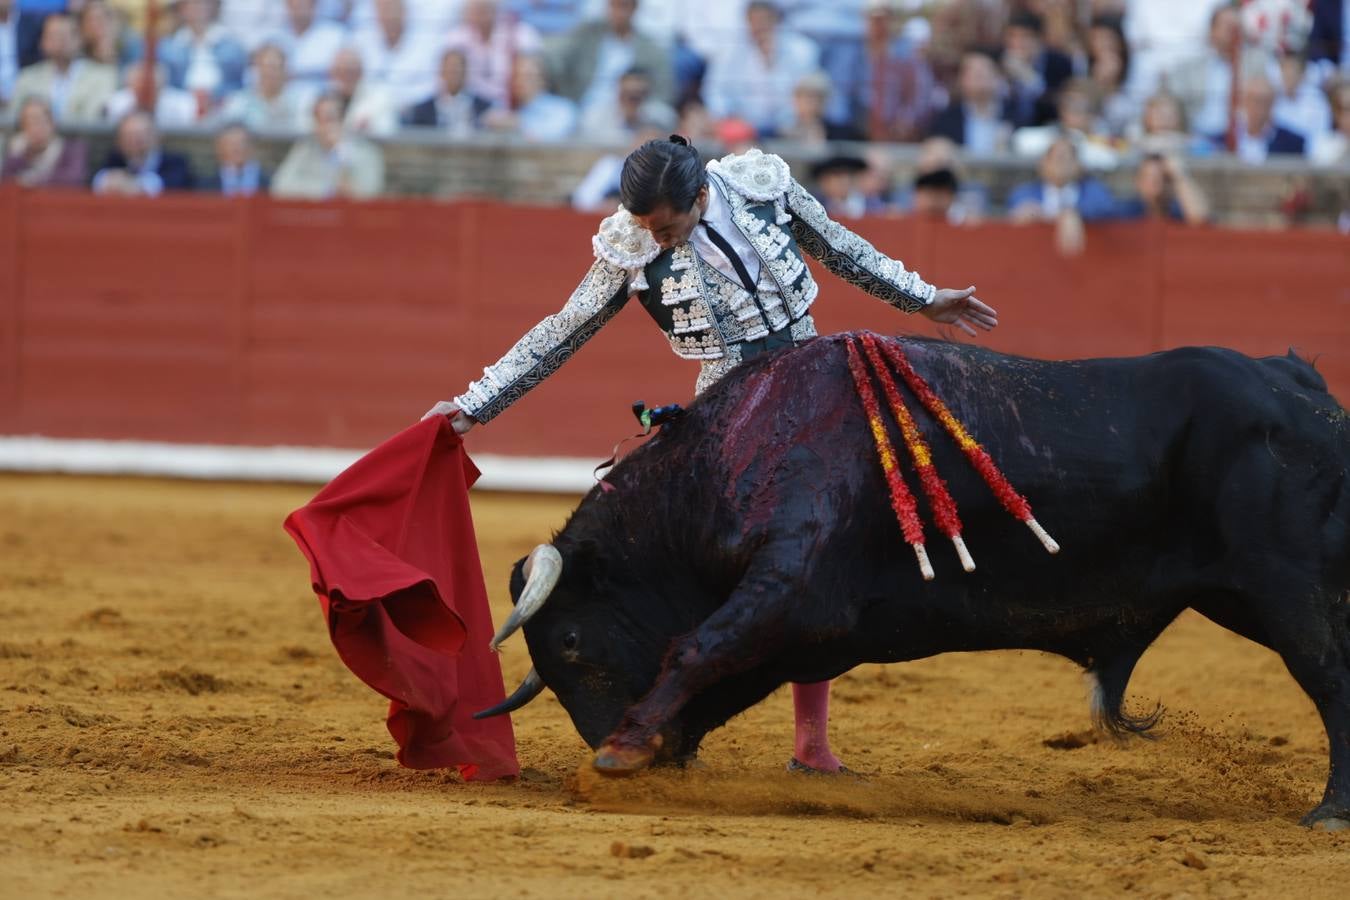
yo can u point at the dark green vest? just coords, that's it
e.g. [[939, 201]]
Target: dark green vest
[[702, 310]]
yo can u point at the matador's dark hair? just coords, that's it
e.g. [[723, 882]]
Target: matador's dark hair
[[659, 173]]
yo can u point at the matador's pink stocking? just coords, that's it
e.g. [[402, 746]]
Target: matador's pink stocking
[[811, 703]]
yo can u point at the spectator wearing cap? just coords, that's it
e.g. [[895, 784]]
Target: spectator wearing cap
[[1333, 148], [938, 155], [1064, 195], [490, 42], [202, 56], [934, 197], [977, 119], [1258, 135], [174, 108], [138, 165], [308, 42], [1164, 190], [893, 92], [366, 107], [837, 188], [1034, 72], [754, 80], [76, 90], [36, 156], [238, 172], [332, 162], [271, 102], [587, 64], [632, 110], [454, 110], [534, 113], [809, 125], [397, 56], [1301, 105]]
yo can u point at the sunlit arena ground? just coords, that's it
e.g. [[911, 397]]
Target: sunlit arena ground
[[174, 722]]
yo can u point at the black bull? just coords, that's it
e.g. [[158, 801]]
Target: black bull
[[752, 543]]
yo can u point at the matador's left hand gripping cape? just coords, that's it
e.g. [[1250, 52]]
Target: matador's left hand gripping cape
[[706, 315]]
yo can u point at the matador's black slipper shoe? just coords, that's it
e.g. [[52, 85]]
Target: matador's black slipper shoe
[[797, 767]]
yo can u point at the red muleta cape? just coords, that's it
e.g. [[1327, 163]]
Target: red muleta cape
[[394, 561]]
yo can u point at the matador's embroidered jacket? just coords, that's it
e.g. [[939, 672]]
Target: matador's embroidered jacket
[[706, 315]]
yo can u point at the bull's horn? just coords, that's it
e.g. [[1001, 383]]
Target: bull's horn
[[543, 568], [528, 690]]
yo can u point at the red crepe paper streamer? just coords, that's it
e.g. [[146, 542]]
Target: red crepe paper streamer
[[902, 501], [940, 500]]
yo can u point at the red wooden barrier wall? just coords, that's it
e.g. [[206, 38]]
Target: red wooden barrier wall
[[198, 319]]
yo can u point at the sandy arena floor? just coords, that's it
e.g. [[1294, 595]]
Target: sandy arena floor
[[174, 723]]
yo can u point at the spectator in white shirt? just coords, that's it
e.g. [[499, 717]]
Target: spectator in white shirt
[[367, 107], [331, 162], [309, 42], [174, 108], [534, 113], [1258, 136], [399, 57], [1300, 103], [9, 49], [271, 102], [490, 42], [755, 80], [1203, 81], [1333, 148], [1164, 35]]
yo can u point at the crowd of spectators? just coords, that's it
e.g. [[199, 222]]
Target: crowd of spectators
[[1079, 86]]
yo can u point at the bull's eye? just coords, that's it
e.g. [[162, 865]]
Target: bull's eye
[[570, 640]]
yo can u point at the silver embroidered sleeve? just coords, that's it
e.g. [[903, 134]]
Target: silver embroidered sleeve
[[546, 346], [852, 258]]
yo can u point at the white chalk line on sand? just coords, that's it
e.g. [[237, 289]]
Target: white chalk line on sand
[[214, 462]]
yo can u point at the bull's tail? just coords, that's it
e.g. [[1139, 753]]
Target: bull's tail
[[1107, 682]]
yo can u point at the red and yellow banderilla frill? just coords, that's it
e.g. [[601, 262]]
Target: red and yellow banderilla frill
[[939, 498], [902, 501]]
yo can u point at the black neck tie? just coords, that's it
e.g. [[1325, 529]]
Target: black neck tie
[[725, 246]]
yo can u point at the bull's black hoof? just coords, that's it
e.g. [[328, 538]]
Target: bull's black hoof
[[1327, 820], [1335, 823], [617, 760], [797, 767]]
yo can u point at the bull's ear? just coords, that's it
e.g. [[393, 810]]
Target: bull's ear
[[517, 579]]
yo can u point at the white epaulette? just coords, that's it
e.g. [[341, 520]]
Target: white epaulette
[[754, 174], [621, 241]]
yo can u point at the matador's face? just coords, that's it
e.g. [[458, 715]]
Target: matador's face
[[671, 228]]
